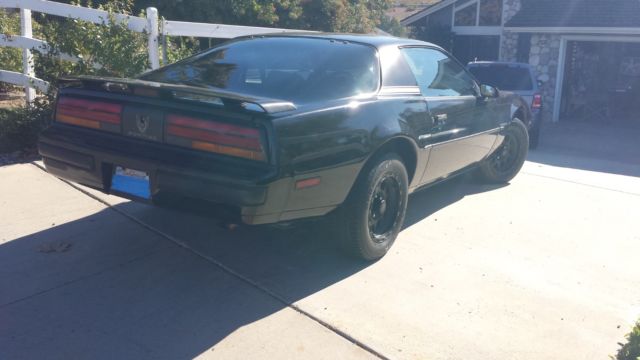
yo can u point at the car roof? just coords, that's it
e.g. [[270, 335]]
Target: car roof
[[377, 41], [509, 63]]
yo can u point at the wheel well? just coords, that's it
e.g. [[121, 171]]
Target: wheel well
[[520, 114], [403, 147]]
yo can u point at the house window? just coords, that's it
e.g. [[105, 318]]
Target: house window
[[490, 12], [466, 16]]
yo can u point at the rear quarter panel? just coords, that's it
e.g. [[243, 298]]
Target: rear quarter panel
[[335, 141]]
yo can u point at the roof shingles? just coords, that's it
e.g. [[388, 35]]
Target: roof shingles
[[577, 13]]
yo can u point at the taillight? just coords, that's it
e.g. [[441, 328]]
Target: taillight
[[89, 113], [215, 137], [537, 102]]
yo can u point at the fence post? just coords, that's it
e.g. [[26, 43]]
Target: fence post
[[152, 32], [27, 57]]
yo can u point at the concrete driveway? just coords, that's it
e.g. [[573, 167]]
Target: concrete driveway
[[543, 268]]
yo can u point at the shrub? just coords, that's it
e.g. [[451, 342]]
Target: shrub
[[108, 49], [19, 127], [631, 350]]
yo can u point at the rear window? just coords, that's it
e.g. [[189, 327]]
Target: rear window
[[504, 77], [295, 69]]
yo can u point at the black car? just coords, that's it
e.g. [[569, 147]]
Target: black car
[[286, 127]]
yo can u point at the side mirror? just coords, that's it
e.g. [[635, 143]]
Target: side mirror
[[488, 91]]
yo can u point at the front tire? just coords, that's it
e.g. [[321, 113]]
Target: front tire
[[507, 160], [372, 216]]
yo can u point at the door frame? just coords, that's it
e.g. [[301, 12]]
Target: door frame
[[564, 39]]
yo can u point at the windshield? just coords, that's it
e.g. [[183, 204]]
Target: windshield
[[504, 77], [295, 69]]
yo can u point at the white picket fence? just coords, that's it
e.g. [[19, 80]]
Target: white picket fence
[[151, 25]]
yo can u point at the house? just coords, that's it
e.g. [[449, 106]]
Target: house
[[586, 52]]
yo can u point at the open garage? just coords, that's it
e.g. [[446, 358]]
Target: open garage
[[601, 81]]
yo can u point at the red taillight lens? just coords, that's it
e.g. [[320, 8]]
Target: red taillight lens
[[537, 102], [215, 137], [89, 113]]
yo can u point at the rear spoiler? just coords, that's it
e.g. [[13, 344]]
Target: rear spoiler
[[181, 92]]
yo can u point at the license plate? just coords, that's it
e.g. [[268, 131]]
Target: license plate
[[132, 182]]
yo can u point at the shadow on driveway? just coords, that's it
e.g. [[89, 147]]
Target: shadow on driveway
[[105, 287]]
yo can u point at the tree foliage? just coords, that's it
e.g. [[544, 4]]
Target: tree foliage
[[324, 15]]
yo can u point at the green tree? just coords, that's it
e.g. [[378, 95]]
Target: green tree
[[358, 16], [392, 26]]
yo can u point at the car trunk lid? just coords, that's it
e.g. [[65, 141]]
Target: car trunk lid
[[205, 120]]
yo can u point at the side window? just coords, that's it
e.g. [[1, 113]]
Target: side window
[[439, 75]]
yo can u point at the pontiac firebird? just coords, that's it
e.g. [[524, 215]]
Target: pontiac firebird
[[291, 126]]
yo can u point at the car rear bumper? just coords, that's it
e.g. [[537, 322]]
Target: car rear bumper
[[257, 200]]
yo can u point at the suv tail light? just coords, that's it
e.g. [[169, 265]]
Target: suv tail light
[[537, 102], [215, 137], [89, 113]]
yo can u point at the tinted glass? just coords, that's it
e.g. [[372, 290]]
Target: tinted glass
[[466, 16], [504, 77], [490, 12], [294, 69], [437, 74]]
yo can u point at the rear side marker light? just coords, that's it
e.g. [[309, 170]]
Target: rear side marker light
[[307, 183], [142, 91], [212, 136], [89, 113]]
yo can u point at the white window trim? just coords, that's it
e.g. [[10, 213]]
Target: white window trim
[[477, 30], [464, 29], [577, 30], [462, 7]]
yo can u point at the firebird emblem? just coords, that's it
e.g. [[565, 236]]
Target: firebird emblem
[[142, 122]]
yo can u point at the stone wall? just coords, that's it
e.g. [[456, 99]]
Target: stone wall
[[508, 46], [545, 52], [510, 8], [509, 41], [543, 56]]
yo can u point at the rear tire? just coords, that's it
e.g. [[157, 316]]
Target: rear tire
[[371, 218], [507, 160]]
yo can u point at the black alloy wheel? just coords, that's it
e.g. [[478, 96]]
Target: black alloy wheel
[[383, 208], [371, 218], [506, 156], [507, 160]]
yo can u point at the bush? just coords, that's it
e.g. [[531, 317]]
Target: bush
[[108, 49], [631, 350], [19, 128]]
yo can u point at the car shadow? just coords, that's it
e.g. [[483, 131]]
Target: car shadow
[[424, 203], [103, 286]]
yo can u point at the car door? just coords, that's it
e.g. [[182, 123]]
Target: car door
[[460, 135]]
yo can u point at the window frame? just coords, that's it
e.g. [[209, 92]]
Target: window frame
[[480, 11], [476, 87], [465, 5]]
